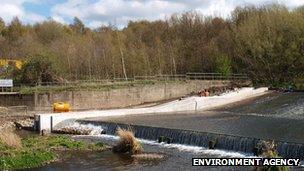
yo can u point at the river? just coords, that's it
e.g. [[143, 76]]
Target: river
[[277, 116]]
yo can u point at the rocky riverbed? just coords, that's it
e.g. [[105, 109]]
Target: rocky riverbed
[[10, 119]]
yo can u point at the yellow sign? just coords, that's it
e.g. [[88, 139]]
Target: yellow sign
[[6, 62]]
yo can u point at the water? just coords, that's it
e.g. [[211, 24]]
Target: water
[[275, 116], [276, 105], [201, 139], [236, 128], [177, 157]]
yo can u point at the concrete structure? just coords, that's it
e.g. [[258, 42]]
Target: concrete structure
[[112, 98], [49, 121]]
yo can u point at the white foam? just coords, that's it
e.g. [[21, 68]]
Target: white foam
[[180, 147], [94, 130]]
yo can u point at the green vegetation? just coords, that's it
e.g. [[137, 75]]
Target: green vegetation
[[223, 65], [37, 151], [86, 86], [267, 149], [264, 42], [38, 68], [272, 154]]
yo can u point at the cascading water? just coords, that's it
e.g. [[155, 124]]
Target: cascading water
[[255, 119], [79, 128], [196, 138], [230, 131]]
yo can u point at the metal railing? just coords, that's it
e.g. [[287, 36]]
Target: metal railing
[[130, 81], [216, 76], [194, 76]]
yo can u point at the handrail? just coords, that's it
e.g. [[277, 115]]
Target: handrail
[[138, 78]]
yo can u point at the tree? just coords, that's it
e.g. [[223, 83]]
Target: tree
[[37, 69], [15, 30], [122, 57], [266, 42], [2, 27], [48, 31], [78, 27]]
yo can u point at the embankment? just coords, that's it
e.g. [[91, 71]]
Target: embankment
[[111, 98], [48, 121]]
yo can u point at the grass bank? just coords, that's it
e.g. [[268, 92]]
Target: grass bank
[[106, 86], [37, 151]]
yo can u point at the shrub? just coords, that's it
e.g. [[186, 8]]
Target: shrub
[[223, 65], [38, 68], [268, 151], [10, 139], [127, 143]]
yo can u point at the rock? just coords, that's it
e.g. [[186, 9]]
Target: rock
[[74, 131], [167, 140], [7, 126], [27, 124], [3, 111], [212, 144]]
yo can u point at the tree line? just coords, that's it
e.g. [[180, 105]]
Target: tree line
[[265, 42]]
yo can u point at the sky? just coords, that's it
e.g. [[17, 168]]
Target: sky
[[95, 13]]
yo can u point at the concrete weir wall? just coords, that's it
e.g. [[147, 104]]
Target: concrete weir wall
[[113, 98], [50, 121]]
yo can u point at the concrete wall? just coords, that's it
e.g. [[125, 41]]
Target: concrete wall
[[50, 121], [17, 100], [114, 98]]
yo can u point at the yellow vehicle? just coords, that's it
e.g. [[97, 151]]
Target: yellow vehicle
[[59, 107]]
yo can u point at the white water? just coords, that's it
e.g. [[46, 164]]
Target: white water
[[94, 130], [96, 134], [180, 147]]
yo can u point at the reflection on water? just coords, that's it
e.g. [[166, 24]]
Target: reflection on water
[[82, 161], [177, 157]]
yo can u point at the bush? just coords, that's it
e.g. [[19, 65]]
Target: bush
[[272, 154], [127, 143], [223, 65], [37, 69], [268, 150]]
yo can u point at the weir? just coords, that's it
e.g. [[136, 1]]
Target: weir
[[48, 121], [203, 139]]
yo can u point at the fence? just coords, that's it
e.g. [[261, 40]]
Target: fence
[[195, 76], [104, 83]]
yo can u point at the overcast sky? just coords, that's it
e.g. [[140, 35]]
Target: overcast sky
[[101, 12]]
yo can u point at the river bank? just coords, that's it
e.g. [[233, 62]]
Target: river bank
[[31, 150]]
